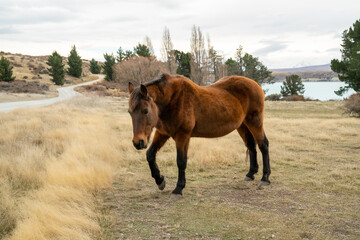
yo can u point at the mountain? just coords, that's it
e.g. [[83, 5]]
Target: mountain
[[307, 74], [315, 68]]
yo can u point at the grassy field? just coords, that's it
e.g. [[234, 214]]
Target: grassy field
[[70, 171]]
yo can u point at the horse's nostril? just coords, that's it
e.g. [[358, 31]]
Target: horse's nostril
[[141, 143]]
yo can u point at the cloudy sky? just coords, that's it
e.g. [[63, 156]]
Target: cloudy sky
[[281, 33]]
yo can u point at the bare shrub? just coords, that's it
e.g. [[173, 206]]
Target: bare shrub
[[273, 97], [294, 98], [137, 70], [21, 86], [352, 105], [103, 88]]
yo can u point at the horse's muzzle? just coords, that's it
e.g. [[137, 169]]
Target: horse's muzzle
[[139, 145]]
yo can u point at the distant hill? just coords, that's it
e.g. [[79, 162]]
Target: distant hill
[[316, 68], [34, 68], [307, 74]]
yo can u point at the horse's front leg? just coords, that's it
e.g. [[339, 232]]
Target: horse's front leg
[[182, 145], [158, 141]]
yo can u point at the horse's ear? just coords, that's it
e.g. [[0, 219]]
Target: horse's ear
[[131, 87], [143, 91]]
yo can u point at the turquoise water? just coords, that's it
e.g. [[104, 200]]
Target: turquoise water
[[315, 90]]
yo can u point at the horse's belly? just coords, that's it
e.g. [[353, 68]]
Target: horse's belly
[[215, 129]]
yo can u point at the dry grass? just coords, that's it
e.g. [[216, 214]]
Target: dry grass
[[55, 160], [314, 192]]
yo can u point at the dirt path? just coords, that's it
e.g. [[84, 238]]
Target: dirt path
[[65, 93]]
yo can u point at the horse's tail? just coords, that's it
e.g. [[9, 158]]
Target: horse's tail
[[247, 155]]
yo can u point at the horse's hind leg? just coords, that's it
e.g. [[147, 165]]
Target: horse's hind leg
[[256, 128], [251, 145], [158, 141]]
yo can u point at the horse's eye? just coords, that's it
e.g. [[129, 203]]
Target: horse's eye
[[145, 111]]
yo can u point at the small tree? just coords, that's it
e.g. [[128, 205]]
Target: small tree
[[109, 62], [292, 86], [6, 70], [142, 50], [198, 60], [56, 69], [167, 51], [232, 67], [183, 62], [75, 63], [94, 67], [349, 68], [120, 55], [249, 66]]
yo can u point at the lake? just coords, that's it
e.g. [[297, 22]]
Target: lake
[[315, 90]]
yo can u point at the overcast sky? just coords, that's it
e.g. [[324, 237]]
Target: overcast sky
[[281, 33]]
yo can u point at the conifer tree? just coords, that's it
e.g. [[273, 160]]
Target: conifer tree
[[108, 70], [75, 63], [292, 86], [6, 70], [94, 67], [56, 69], [348, 68]]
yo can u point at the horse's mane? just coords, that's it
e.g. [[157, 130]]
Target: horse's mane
[[157, 81]]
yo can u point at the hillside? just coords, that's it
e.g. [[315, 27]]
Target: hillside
[[34, 68], [315, 68], [307, 74]]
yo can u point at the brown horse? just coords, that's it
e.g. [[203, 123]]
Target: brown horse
[[180, 109]]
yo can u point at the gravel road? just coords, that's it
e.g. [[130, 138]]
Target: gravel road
[[65, 93]]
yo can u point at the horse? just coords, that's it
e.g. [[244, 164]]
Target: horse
[[180, 109]]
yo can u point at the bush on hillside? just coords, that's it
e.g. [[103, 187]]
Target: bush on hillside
[[352, 105]]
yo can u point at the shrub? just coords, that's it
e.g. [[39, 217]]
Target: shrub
[[273, 97], [352, 105], [138, 70], [294, 98]]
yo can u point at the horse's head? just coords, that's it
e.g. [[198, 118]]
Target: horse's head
[[144, 115]]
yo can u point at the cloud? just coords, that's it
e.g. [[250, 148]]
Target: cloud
[[271, 46], [8, 30]]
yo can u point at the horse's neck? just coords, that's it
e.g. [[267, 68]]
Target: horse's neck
[[161, 96]]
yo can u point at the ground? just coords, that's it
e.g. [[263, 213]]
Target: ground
[[79, 177], [314, 192]]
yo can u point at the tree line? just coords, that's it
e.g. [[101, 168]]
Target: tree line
[[202, 64]]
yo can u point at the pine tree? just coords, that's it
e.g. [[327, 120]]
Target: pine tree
[[94, 67], [6, 70], [142, 50], [349, 68], [108, 70], [120, 55], [56, 69], [292, 86], [183, 62], [75, 63]]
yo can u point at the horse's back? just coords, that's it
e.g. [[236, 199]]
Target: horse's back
[[247, 91]]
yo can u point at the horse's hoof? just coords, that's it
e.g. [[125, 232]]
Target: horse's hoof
[[263, 184], [174, 197], [161, 186], [246, 179]]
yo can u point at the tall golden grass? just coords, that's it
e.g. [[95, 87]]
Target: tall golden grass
[[52, 162]]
